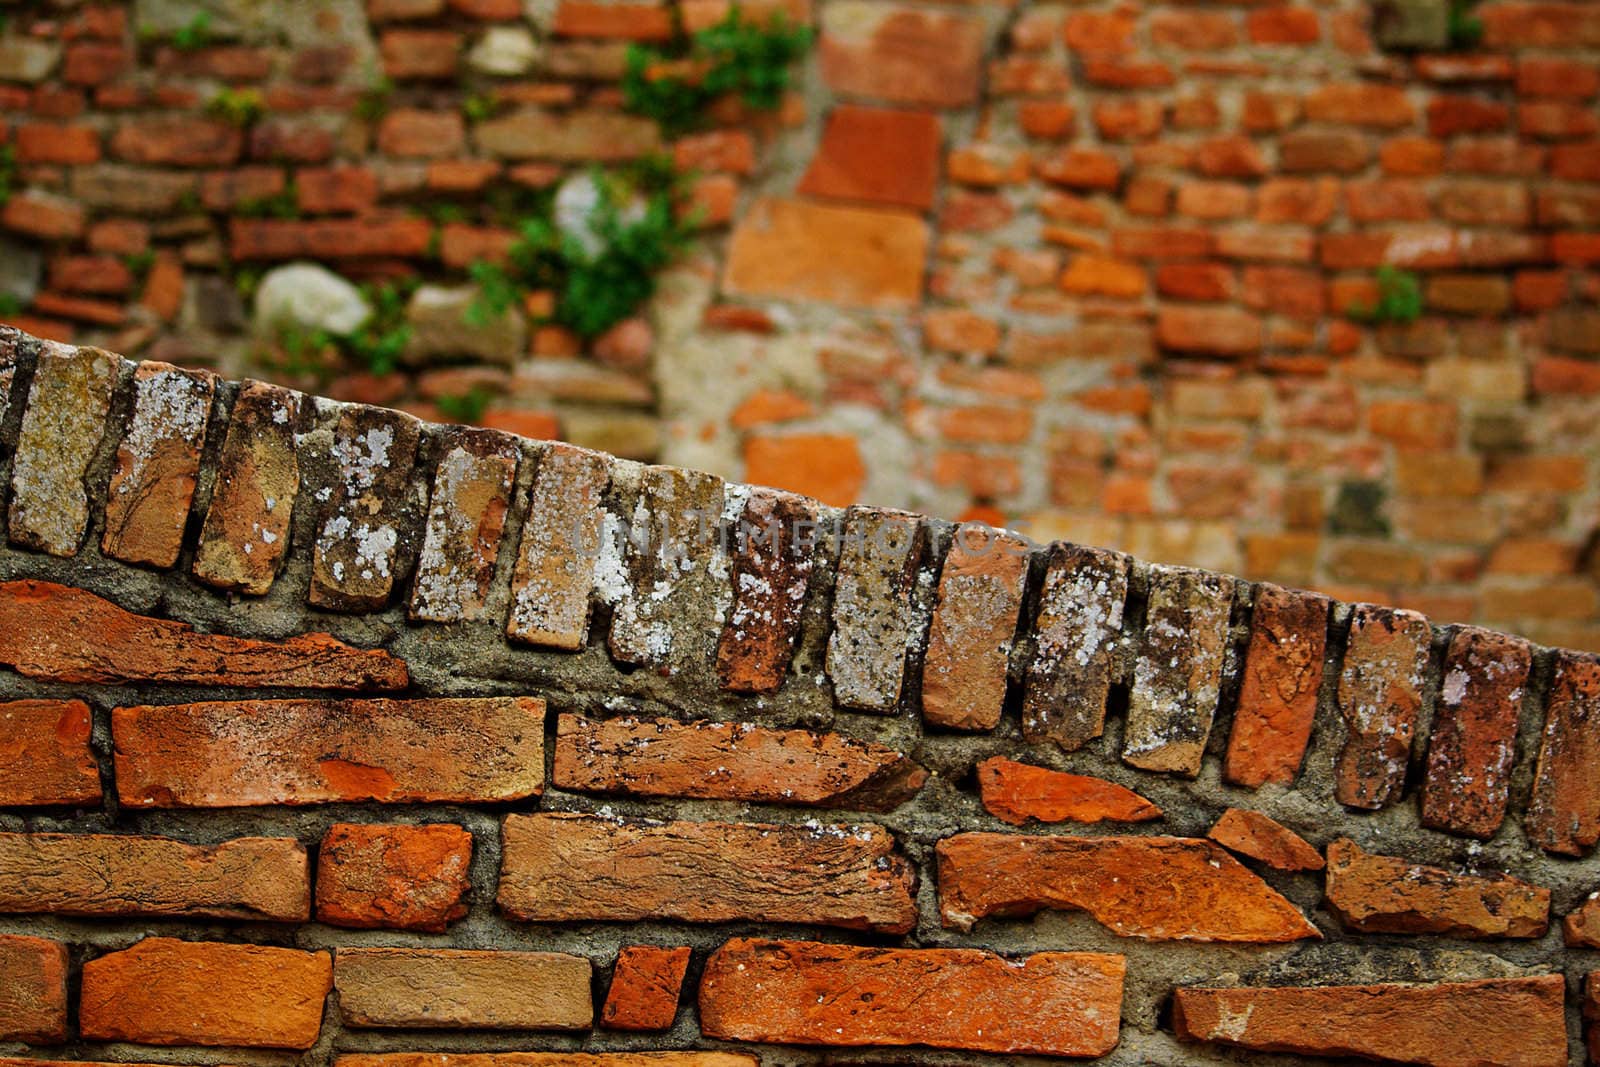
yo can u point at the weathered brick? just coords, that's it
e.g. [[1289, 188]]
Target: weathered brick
[[358, 539], [554, 578], [1177, 674], [246, 532], [1222, 331], [667, 594], [573, 868], [64, 634], [1564, 813], [731, 761], [872, 624], [804, 992], [1278, 698], [901, 55], [44, 754], [259, 752], [178, 141], [61, 426], [771, 556], [245, 995], [254, 878], [827, 467], [1390, 895], [1253, 834], [33, 997], [1016, 792], [1514, 1022], [466, 519], [455, 989], [1475, 733], [974, 621], [645, 987], [538, 1059], [589, 135], [416, 134], [854, 256], [1076, 631], [393, 877], [158, 462], [1158, 888], [1380, 695], [358, 238], [42, 214], [1581, 927], [876, 155]]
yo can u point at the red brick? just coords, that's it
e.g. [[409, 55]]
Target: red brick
[[876, 155], [1046, 120], [1360, 104], [182, 142], [337, 190], [644, 988], [622, 21], [1252, 834], [791, 249], [1550, 76], [559, 867], [1284, 24], [1208, 331], [1076, 628], [94, 62], [1158, 888], [1278, 697], [158, 464], [1100, 32], [38, 142], [1515, 1022], [393, 877], [1564, 813], [1016, 792], [60, 633], [1080, 168], [1195, 281], [1388, 895], [108, 875], [802, 992], [472, 488], [969, 643], [262, 752], [1316, 151], [419, 53], [33, 1003], [541, 1059], [827, 467], [42, 214], [45, 757], [1194, 31], [1380, 694], [462, 989], [417, 134], [376, 235], [1556, 119], [901, 55], [1127, 74], [291, 140], [729, 151], [90, 274], [244, 995], [730, 761], [1474, 733], [1129, 119], [1576, 162]]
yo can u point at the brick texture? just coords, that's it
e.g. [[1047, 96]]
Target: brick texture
[[47, 759], [393, 877], [454, 989]]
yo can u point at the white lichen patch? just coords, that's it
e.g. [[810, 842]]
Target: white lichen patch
[[62, 424], [169, 407]]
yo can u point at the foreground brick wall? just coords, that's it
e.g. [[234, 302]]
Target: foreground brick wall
[[322, 726], [1084, 267]]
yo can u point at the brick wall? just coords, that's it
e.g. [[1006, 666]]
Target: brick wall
[[340, 734], [1083, 267]]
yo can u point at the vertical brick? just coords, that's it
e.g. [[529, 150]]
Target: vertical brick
[[226, 754], [246, 531], [1177, 675], [1564, 814], [1278, 698], [1077, 629], [10, 341], [63, 423], [253, 878], [644, 988], [408, 988], [878, 558], [974, 622], [1380, 694], [358, 539], [665, 597], [44, 754], [772, 553], [804, 992], [393, 877], [466, 518], [168, 992], [158, 462], [554, 579], [1475, 733], [33, 989]]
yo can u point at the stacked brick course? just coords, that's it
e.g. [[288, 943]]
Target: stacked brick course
[[286, 820]]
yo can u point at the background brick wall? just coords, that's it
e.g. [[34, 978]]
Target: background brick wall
[[326, 741], [1082, 267]]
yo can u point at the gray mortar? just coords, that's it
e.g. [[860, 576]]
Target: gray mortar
[[476, 659]]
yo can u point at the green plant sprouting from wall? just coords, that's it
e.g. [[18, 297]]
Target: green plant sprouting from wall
[[194, 34], [1465, 27], [678, 85], [468, 407], [237, 107], [599, 276], [1399, 298], [8, 172], [375, 346]]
